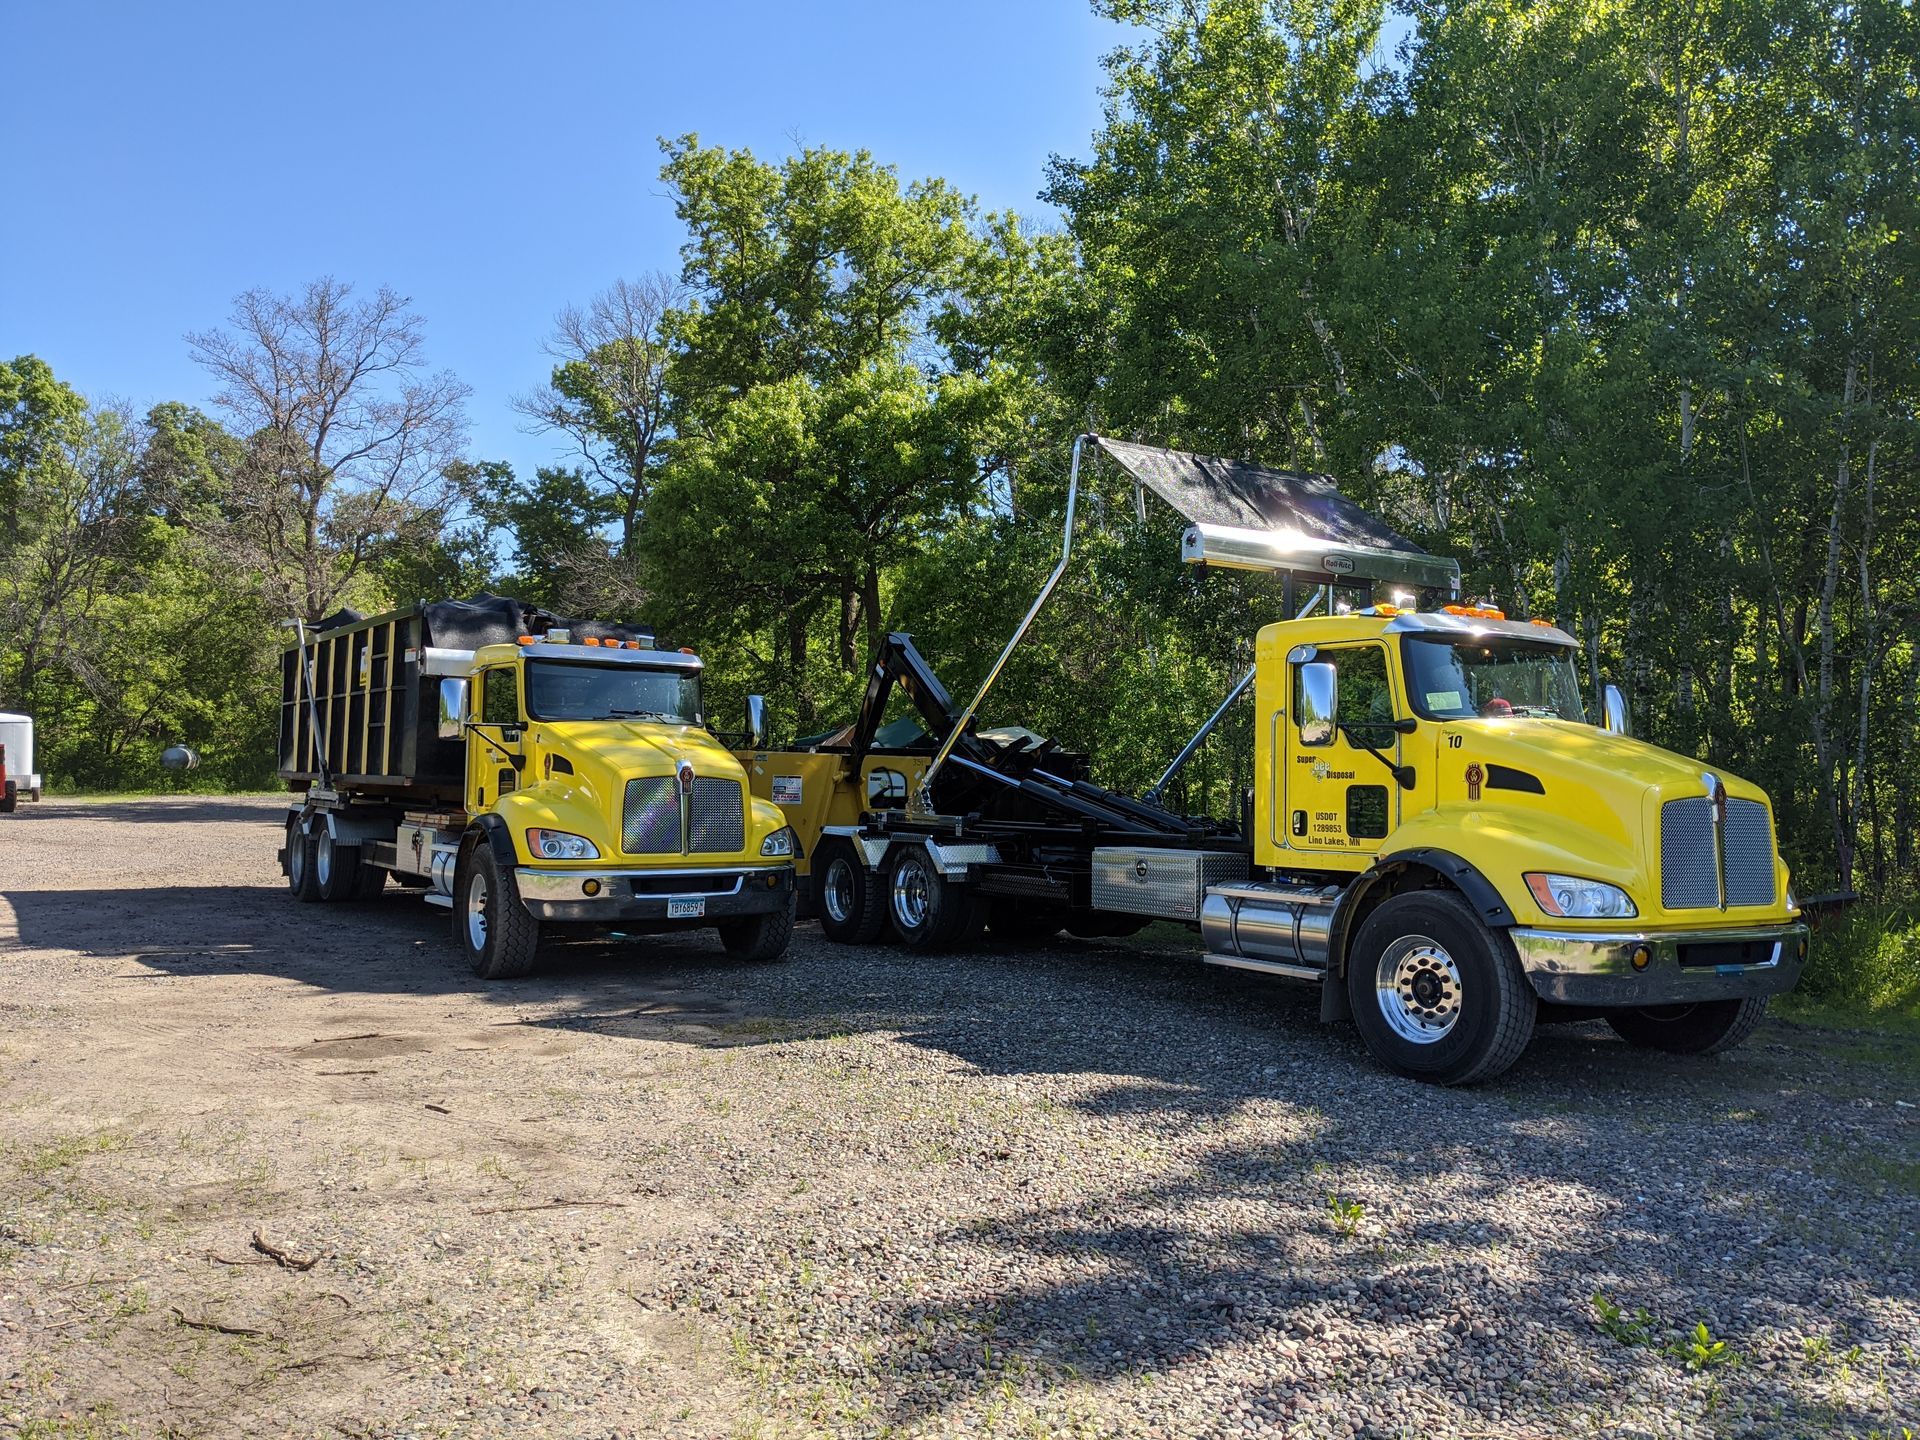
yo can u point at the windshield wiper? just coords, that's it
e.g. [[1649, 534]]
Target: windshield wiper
[[643, 715]]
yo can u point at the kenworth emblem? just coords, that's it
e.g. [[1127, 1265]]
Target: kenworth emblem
[[686, 777]]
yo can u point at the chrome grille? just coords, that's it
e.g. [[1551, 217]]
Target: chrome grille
[[719, 817], [1749, 854], [1689, 878], [650, 823]]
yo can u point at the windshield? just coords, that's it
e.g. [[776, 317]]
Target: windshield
[[1451, 680], [564, 690]]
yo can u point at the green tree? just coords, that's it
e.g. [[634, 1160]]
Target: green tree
[[823, 436]]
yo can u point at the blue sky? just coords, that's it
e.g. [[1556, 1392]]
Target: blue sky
[[492, 161]]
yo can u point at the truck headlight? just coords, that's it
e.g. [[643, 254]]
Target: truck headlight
[[780, 842], [1572, 898], [559, 845]]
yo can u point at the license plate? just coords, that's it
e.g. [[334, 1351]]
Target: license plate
[[686, 909]]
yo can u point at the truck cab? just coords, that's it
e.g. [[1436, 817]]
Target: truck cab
[[568, 782], [1431, 779]]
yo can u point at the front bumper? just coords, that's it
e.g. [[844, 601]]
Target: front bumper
[[729, 892], [1572, 967]]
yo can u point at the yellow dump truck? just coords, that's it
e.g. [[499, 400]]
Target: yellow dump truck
[[1436, 836], [528, 774]]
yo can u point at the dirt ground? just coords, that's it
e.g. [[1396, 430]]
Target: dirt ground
[[270, 1169]]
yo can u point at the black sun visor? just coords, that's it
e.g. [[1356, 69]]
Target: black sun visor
[[1247, 517]]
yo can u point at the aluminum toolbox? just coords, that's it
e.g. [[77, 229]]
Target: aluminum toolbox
[[1138, 880]]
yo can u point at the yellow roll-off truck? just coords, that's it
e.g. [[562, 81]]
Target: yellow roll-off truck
[[1436, 835], [529, 775]]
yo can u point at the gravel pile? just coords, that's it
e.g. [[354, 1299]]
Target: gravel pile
[[1078, 1190]]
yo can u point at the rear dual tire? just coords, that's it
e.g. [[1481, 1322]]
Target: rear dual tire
[[927, 910], [849, 899], [301, 882], [319, 867]]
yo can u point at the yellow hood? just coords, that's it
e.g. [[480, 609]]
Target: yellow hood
[[631, 748]]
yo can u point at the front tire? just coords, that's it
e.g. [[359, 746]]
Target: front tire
[[759, 937], [927, 910], [1436, 994], [1705, 1028], [500, 938], [848, 897]]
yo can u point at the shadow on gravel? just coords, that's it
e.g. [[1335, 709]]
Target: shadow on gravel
[[394, 943], [1737, 1191], [162, 810]]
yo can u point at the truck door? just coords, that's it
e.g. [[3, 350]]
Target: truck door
[[1335, 797], [496, 717]]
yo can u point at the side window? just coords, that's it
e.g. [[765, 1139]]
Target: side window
[[886, 789], [1367, 812], [500, 697], [1364, 692]]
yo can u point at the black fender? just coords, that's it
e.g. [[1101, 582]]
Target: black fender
[[493, 830], [1460, 873]]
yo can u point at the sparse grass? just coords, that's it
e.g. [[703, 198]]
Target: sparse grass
[[1617, 1324], [1868, 1168], [1699, 1350], [1347, 1215], [43, 1160]]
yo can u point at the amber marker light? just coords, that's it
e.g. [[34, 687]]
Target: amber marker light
[[1642, 956]]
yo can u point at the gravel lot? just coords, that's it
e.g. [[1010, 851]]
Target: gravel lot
[[1080, 1190]]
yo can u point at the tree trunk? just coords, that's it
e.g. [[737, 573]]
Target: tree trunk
[[870, 602], [803, 707], [1830, 767]]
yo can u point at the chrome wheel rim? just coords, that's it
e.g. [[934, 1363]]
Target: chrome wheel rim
[[1417, 987], [477, 892], [323, 858], [296, 857], [838, 896], [912, 895]]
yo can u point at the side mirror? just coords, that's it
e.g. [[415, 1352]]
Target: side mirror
[[756, 722], [453, 707], [1319, 701], [1613, 711]]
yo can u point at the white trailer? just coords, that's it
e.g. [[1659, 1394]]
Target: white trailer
[[18, 779]]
